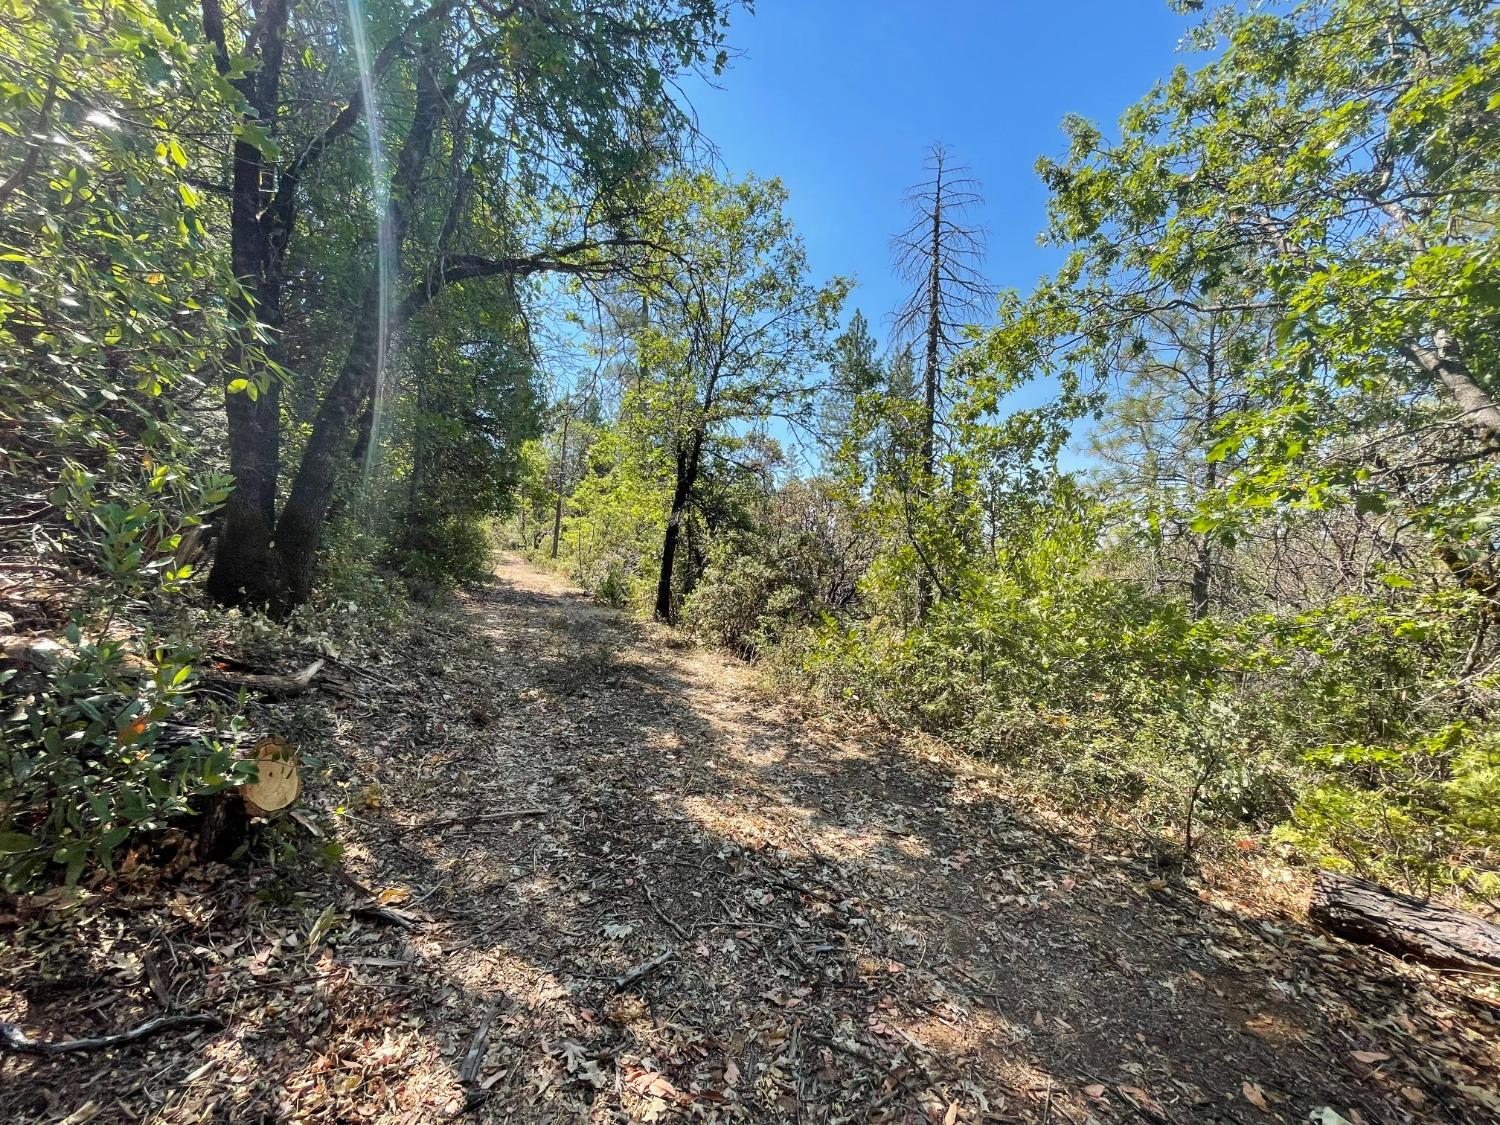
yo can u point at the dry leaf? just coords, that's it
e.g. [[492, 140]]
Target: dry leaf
[[1369, 1057], [1255, 1096], [1142, 1099], [651, 1085], [1094, 1091]]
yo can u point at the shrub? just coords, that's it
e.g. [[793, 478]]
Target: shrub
[[113, 311]]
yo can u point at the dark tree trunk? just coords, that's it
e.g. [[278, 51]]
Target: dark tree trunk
[[930, 377], [328, 449], [682, 494], [562, 471], [1407, 927], [330, 443], [243, 569], [1201, 591]]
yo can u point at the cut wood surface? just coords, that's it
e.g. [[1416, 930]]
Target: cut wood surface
[[1426, 932], [278, 782]]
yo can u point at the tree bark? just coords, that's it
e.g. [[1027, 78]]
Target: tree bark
[[1201, 591], [682, 494], [1444, 362], [930, 378], [1407, 927], [562, 469], [243, 570], [328, 446]]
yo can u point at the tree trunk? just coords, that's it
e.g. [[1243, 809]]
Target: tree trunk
[[930, 378], [562, 469], [1203, 560], [682, 492], [243, 569], [329, 444], [328, 448], [1407, 927]]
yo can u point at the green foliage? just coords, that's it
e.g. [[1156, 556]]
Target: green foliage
[[1426, 812], [1280, 298], [112, 318], [616, 518], [454, 455], [87, 758], [1274, 603], [798, 564]]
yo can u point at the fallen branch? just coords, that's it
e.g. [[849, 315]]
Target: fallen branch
[[468, 1070], [643, 970], [12, 1038], [478, 818], [266, 683]]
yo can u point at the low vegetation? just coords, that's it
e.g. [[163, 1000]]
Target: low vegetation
[[309, 311]]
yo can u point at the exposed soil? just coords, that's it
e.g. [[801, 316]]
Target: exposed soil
[[677, 898]]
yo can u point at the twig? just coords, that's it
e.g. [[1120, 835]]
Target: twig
[[645, 969], [14, 1039], [677, 929], [479, 818]]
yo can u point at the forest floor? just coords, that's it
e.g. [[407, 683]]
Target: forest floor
[[589, 873]]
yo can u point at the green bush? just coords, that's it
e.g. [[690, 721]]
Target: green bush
[[1317, 724], [113, 316], [88, 756]]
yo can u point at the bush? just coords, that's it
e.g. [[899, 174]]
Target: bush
[[113, 313], [88, 757]]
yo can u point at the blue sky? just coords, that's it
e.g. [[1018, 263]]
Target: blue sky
[[841, 98]]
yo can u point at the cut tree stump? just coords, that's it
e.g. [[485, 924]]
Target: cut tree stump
[[278, 782], [223, 820], [1425, 932]]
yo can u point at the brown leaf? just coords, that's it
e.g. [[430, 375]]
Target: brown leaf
[[1255, 1096], [1094, 1091], [1143, 1101], [1369, 1058], [651, 1085]]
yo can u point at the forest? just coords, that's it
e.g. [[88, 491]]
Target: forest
[[490, 629]]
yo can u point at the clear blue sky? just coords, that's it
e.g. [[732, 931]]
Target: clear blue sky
[[840, 98]]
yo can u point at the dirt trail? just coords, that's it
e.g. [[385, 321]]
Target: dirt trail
[[675, 898]]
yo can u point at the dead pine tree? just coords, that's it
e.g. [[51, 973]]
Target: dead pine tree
[[938, 255]]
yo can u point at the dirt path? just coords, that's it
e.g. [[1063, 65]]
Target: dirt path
[[677, 899]]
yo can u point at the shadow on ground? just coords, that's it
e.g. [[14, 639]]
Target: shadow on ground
[[665, 896]]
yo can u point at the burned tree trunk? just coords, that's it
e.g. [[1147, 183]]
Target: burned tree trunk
[[1409, 928]]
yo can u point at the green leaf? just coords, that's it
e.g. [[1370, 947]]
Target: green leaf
[[254, 133], [12, 842]]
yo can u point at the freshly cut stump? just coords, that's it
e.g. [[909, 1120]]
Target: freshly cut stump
[[278, 782], [1425, 932]]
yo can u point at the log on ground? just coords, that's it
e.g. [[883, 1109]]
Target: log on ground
[[1410, 928]]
